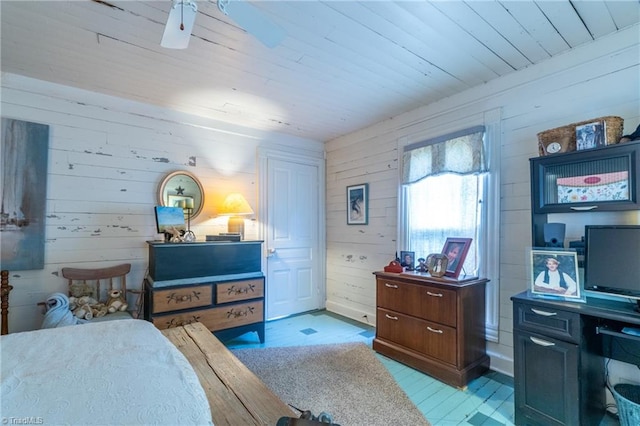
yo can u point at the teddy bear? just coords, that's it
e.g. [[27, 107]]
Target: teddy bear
[[83, 312], [86, 307], [99, 310], [116, 302], [75, 302]]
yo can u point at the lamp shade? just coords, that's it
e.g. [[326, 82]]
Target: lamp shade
[[235, 205], [183, 12]]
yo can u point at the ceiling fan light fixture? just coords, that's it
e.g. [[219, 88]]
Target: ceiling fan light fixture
[[177, 31]]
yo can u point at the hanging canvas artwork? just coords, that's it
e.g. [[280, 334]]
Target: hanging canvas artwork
[[25, 147]]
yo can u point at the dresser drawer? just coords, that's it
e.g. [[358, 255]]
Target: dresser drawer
[[548, 321], [422, 301], [214, 319], [399, 328], [182, 298], [239, 290], [434, 340]]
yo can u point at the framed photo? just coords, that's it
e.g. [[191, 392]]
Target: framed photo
[[456, 251], [591, 135], [358, 204], [437, 264], [408, 260], [554, 274]]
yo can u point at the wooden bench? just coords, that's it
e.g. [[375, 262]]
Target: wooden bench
[[236, 395]]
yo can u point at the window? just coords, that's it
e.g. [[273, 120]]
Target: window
[[450, 188], [442, 206]]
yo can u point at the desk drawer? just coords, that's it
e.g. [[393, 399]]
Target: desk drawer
[[240, 290], [548, 321], [182, 298], [214, 319]]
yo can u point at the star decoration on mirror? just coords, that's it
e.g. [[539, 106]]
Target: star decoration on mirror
[[180, 190]]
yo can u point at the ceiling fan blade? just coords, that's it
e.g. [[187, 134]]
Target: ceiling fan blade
[[177, 31], [253, 21]]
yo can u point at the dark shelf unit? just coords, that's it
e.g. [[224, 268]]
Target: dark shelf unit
[[548, 196]]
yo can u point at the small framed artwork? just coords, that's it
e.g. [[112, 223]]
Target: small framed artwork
[[554, 274], [456, 250], [408, 260], [591, 135], [358, 204]]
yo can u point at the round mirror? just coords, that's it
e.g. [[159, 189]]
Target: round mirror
[[182, 189]]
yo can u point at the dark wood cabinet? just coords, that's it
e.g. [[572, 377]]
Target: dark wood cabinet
[[560, 347], [435, 325], [219, 284], [593, 180], [558, 381], [559, 357]]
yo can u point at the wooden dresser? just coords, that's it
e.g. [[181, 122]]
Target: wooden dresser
[[219, 284], [435, 325]]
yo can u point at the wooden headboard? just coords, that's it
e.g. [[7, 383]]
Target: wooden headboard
[[5, 288]]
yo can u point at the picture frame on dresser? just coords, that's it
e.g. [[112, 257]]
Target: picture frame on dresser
[[456, 250], [554, 275], [407, 260]]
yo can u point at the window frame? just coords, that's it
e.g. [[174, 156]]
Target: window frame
[[489, 249]]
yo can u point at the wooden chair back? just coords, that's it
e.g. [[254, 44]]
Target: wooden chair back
[[100, 280], [5, 289]]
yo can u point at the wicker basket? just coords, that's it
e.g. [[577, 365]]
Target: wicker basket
[[627, 398], [566, 135]]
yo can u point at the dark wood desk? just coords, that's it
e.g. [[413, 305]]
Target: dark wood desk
[[559, 351]]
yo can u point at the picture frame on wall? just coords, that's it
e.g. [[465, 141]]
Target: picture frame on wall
[[554, 274], [456, 250], [358, 204]]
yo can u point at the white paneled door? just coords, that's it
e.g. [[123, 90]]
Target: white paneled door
[[292, 238]]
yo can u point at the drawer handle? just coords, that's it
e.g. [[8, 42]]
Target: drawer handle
[[583, 209], [184, 298], [239, 313], [434, 294], [541, 342], [544, 313], [234, 291], [390, 285], [434, 330], [391, 317]]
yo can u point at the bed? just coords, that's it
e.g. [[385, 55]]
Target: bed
[[129, 372]]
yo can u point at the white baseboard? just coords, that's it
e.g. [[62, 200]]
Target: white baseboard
[[500, 363], [357, 315]]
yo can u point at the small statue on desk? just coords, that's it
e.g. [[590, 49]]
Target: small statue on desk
[[172, 235]]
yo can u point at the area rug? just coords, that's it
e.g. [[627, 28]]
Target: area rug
[[344, 380]]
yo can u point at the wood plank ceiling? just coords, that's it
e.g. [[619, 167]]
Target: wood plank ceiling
[[342, 65]]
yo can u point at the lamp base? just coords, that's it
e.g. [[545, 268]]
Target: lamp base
[[236, 226]]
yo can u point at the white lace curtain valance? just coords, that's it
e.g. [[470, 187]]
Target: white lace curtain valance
[[460, 152]]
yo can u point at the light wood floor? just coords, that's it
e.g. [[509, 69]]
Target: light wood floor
[[487, 400]]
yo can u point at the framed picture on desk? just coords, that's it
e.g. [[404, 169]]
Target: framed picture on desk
[[554, 274]]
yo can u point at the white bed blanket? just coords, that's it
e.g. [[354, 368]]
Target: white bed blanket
[[109, 373]]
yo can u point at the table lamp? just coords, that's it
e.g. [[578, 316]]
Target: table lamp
[[236, 207]]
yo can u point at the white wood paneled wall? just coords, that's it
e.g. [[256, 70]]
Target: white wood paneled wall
[[596, 80], [107, 157]]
